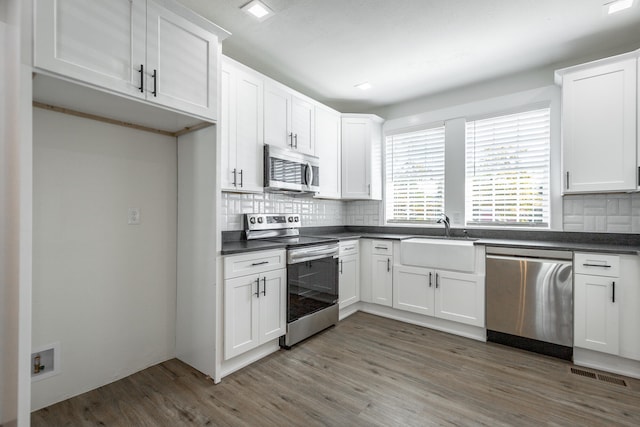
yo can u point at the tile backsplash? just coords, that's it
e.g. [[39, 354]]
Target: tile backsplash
[[314, 212], [606, 213], [601, 213]]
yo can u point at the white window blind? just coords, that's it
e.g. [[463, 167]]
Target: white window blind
[[415, 176], [507, 170]]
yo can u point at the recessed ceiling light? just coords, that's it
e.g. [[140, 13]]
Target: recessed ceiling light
[[617, 6], [257, 9], [364, 86]]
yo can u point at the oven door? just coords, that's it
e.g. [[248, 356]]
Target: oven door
[[312, 283]]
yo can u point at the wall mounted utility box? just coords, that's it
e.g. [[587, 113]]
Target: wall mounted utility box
[[45, 362]]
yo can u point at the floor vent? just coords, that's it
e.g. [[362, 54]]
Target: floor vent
[[584, 373], [605, 378], [612, 380]]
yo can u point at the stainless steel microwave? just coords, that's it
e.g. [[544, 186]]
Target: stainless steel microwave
[[290, 171]]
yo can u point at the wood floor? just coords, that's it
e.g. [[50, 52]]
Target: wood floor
[[367, 371]]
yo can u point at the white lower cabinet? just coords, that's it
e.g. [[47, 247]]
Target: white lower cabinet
[[414, 289], [382, 280], [449, 295], [255, 303], [349, 273], [596, 314]]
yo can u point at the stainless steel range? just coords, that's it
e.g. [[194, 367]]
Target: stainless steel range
[[312, 274]]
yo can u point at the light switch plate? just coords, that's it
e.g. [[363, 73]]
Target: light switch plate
[[133, 218]]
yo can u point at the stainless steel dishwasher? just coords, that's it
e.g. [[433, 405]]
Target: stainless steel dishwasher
[[529, 299]]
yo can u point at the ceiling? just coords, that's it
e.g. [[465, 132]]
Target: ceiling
[[409, 49]]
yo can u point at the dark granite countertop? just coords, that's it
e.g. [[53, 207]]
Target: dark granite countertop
[[244, 246], [571, 241], [352, 236], [569, 246]]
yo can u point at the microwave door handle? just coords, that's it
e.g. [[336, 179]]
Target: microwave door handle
[[309, 174]]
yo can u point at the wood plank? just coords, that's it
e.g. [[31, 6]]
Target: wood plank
[[367, 371]]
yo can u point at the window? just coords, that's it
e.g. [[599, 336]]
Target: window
[[415, 176], [507, 170]]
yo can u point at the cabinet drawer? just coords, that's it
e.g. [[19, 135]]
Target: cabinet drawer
[[350, 247], [597, 264], [254, 262], [382, 247]]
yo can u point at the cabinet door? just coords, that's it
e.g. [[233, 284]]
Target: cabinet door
[[273, 305], [227, 129], [413, 289], [241, 315], [459, 297], [355, 159], [327, 124], [302, 119], [596, 323], [349, 287], [249, 131], [382, 280], [277, 107], [599, 128], [181, 63], [94, 41]]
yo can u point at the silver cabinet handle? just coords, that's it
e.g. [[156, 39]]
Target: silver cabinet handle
[[567, 180], [241, 179], [259, 263], [291, 139], [437, 280], [430, 279], [388, 264], [613, 292], [155, 83], [141, 71], [235, 177], [596, 265], [257, 287], [340, 266], [348, 248], [296, 137], [381, 247], [264, 285]]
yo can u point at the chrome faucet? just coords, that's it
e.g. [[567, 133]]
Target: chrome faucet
[[447, 224]]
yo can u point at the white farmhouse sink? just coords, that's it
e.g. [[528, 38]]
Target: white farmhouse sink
[[445, 254]]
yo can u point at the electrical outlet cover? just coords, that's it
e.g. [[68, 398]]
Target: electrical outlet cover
[[133, 217]]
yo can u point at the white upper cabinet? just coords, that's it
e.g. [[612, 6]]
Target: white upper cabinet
[[181, 63], [98, 42], [327, 134], [138, 48], [288, 119], [241, 126], [361, 157], [599, 114]]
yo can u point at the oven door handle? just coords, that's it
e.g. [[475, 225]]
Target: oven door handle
[[326, 252]]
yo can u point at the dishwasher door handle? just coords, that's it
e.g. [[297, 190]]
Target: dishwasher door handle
[[530, 259]]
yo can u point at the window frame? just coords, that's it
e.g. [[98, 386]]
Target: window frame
[[401, 131], [546, 225], [454, 116]]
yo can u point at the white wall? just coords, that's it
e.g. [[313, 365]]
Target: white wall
[[105, 290]]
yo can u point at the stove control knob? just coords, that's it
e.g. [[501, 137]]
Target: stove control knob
[[297, 219], [259, 220], [252, 219], [290, 219]]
